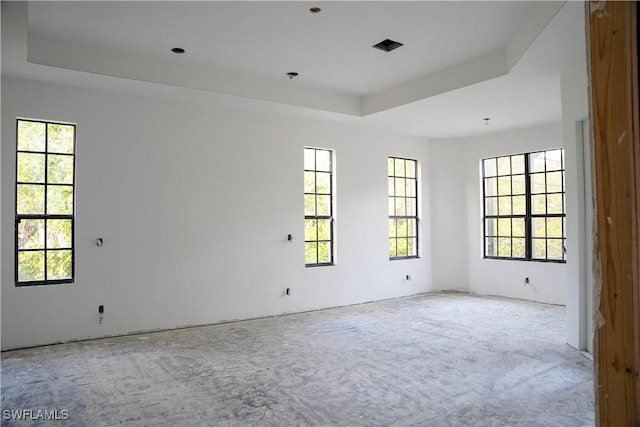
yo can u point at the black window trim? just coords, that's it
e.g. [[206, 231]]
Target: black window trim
[[414, 217], [528, 216], [45, 217], [330, 217]]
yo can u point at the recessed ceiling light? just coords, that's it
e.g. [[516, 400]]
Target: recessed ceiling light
[[177, 50], [315, 10], [292, 74], [387, 45]]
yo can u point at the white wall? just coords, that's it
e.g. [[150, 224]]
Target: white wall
[[462, 203], [448, 216], [502, 277], [575, 109], [194, 203]]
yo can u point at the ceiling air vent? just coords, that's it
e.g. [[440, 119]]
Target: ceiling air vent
[[387, 45]]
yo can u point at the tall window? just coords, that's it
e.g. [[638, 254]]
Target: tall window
[[403, 208], [524, 206], [318, 207], [45, 162]]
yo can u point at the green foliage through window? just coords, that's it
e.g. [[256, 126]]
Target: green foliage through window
[[45, 170], [524, 206], [403, 208], [318, 207]]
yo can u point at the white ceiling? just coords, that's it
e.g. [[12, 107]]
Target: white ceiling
[[461, 62]]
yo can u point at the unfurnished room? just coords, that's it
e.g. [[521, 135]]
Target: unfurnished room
[[283, 213]]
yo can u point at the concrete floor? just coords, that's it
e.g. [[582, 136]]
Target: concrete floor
[[431, 360]]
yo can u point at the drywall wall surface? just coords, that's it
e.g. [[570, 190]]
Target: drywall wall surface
[[448, 216], [575, 109], [506, 277], [194, 203]]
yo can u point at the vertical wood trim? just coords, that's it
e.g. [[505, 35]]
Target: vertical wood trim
[[614, 96], [636, 158]]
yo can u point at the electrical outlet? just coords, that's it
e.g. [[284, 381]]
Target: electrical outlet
[[408, 277], [526, 281]]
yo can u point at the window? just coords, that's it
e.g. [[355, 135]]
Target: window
[[403, 208], [45, 163], [524, 206], [318, 207]]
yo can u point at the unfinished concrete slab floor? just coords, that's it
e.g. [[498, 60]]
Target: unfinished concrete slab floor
[[430, 360]]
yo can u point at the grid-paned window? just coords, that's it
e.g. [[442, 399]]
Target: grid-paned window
[[318, 207], [44, 227], [524, 206], [403, 208]]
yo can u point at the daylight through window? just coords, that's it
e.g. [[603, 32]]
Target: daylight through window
[[524, 206], [318, 207], [45, 162], [403, 208]]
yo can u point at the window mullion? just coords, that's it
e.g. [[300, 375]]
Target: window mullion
[[544, 192], [46, 188], [527, 222], [403, 192], [319, 162], [53, 141]]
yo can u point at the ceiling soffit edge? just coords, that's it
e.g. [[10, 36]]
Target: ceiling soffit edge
[[74, 56]]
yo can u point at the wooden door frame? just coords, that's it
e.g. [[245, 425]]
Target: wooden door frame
[[614, 98]]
